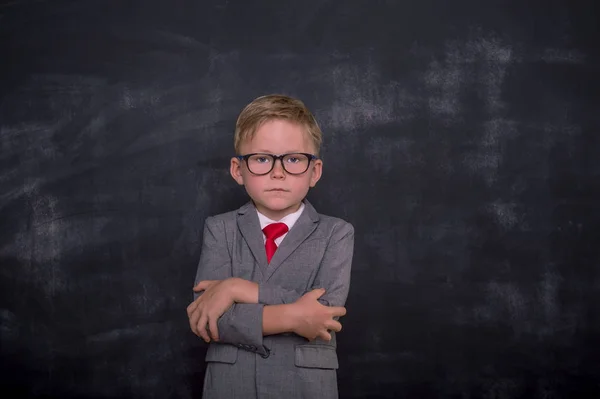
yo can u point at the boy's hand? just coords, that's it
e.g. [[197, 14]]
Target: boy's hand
[[312, 319], [208, 307]]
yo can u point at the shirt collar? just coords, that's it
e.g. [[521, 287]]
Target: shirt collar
[[289, 220]]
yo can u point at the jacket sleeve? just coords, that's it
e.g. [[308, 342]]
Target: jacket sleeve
[[335, 269], [271, 294], [334, 273], [241, 324]]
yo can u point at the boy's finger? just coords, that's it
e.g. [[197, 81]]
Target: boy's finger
[[203, 285], [194, 322], [338, 311], [193, 326], [316, 293], [214, 331], [191, 307], [334, 326], [325, 335], [194, 316], [203, 333], [202, 329]]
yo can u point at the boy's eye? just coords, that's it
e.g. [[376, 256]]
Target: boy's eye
[[293, 160], [261, 159]]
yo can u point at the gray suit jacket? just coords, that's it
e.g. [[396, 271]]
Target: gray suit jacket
[[316, 253]]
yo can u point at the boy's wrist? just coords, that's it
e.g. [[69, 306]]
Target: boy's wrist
[[279, 319], [291, 317], [244, 291]]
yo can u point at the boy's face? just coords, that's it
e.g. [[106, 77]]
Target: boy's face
[[277, 193]]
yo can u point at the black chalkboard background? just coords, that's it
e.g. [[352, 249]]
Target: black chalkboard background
[[461, 140]]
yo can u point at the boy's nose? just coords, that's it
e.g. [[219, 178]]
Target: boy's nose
[[278, 169]]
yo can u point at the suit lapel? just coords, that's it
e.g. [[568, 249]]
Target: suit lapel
[[250, 228], [304, 226]]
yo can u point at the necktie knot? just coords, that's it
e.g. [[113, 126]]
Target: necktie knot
[[272, 232], [275, 230]]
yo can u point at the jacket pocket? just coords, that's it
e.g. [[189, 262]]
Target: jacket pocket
[[316, 356], [222, 353]]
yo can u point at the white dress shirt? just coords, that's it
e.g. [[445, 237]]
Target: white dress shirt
[[289, 220]]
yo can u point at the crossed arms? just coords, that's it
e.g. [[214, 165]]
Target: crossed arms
[[240, 312]]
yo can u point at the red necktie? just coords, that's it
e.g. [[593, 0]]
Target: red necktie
[[272, 232]]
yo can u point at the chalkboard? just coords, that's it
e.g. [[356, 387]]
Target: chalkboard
[[460, 140]]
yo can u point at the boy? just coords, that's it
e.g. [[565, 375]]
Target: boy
[[270, 300]]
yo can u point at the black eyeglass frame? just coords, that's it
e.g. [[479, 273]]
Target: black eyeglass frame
[[310, 157]]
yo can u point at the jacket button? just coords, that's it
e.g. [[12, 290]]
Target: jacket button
[[266, 355]]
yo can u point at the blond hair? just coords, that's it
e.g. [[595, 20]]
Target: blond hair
[[275, 106]]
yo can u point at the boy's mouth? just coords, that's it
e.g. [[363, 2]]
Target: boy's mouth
[[278, 190]]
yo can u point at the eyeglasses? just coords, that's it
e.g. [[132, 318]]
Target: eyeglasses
[[293, 163]]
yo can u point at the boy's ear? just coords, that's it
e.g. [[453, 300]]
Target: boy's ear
[[236, 171], [317, 170]]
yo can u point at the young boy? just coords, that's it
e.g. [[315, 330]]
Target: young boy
[[270, 299]]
